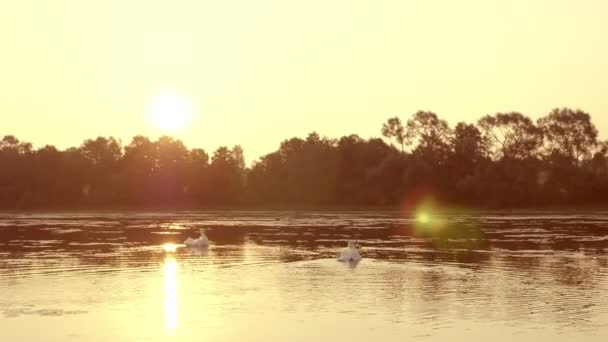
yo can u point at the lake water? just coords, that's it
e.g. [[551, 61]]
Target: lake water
[[273, 276]]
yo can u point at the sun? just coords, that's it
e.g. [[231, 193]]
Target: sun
[[170, 111]]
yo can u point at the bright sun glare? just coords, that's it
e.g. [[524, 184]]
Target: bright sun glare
[[170, 247], [170, 111]]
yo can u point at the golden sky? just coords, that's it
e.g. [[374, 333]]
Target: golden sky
[[256, 72]]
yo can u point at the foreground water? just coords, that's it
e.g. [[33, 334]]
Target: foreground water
[[273, 276]]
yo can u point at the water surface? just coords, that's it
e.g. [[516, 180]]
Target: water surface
[[273, 276]]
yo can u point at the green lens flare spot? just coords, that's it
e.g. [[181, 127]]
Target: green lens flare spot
[[423, 218]]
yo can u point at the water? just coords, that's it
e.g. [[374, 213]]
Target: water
[[273, 276]]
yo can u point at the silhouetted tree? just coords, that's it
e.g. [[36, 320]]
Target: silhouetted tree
[[506, 160], [468, 162], [433, 136], [197, 176], [226, 182], [15, 168], [468, 143], [393, 129], [357, 177], [511, 135], [101, 156], [569, 132]]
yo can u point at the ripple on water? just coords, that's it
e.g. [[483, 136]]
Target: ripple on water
[[13, 313]]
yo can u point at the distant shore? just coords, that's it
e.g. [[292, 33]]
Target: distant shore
[[451, 209]]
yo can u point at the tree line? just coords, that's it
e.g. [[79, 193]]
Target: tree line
[[503, 160]]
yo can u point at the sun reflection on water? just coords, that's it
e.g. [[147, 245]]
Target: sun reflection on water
[[171, 299], [170, 247]]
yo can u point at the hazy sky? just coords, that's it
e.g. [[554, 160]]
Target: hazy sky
[[256, 72]]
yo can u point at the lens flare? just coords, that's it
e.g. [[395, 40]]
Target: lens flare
[[423, 217], [428, 220]]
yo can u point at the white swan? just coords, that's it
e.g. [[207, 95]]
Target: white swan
[[202, 241], [350, 253]]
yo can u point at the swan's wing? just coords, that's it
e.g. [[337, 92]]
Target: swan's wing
[[354, 255], [344, 254], [349, 254]]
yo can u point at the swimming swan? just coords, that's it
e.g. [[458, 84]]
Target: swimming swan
[[350, 253], [202, 241]]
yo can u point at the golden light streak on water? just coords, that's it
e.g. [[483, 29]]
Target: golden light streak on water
[[171, 296]]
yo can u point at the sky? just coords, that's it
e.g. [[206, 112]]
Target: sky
[[257, 72]]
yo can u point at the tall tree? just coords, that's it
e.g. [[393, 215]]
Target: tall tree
[[468, 162], [226, 181], [468, 142], [511, 135], [102, 151], [15, 170], [137, 167], [169, 175], [393, 129], [432, 134], [569, 132]]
